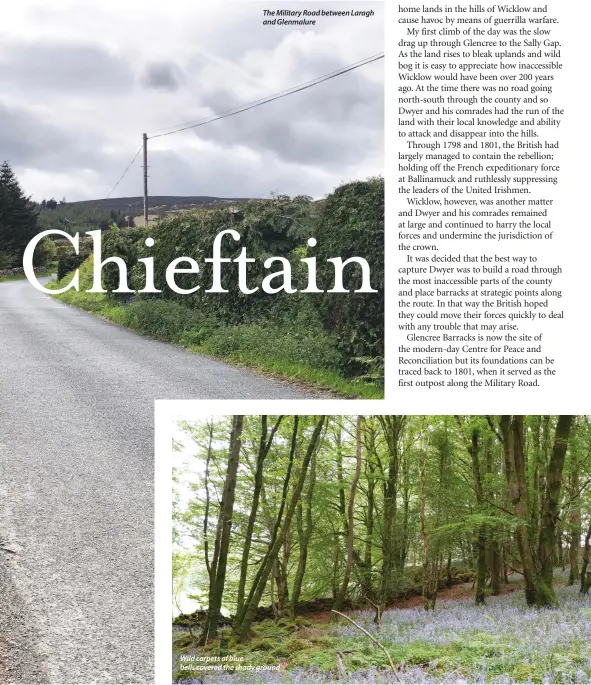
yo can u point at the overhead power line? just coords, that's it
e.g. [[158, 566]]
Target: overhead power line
[[287, 91], [271, 98], [126, 170], [244, 108]]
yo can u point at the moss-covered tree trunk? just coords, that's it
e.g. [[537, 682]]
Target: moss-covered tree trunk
[[369, 526], [512, 437], [392, 426], [481, 538], [264, 447], [586, 579], [284, 607], [218, 577], [495, 561], [549, 519], [350, 520], [575, 518], [304, 525], [242, 629]]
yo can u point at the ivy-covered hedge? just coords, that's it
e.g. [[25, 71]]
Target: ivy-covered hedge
[[350, 222]]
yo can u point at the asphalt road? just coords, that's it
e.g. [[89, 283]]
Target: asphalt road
[[76, 486]]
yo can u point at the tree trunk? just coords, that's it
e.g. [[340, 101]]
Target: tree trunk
[[575, 519], [242, 630], [217, 580], [449, 579], [392, 426], [275, 529], [559, 552], [585, 579], [480, 567], [535, 477], [207, 503], [504, 564], [264, 447], [481, 540], [350, 522], [550, 511], [495, 567], [284, 608], [430, 555], [512, 435], [406, 494], [304, 528], [369, 525]]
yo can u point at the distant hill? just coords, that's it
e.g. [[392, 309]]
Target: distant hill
[[158, 204]]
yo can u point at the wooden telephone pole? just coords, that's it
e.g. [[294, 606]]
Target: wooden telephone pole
[[145, 137]]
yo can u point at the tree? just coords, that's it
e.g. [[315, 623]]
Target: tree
[[217, 571], [350, 519], [537, 569], [265, 443], [586, 579], [241, 628], [326, 507], [550, 511], [18, 217], [392, 427]]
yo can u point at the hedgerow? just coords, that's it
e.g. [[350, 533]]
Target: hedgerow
[[334, 331]]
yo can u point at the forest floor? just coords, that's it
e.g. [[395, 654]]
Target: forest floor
[[501, 642]]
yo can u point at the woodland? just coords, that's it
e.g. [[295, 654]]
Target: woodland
[[382, 549]]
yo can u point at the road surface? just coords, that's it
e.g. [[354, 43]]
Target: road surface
[[76, 486]]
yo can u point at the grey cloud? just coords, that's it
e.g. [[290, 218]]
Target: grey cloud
[[332, 124], [219, 175], [244, 21], [58, 67], [27, 141], [304, 143], [164, 76]]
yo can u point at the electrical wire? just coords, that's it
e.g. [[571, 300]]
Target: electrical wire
[[275, 96], [252, 105], [126, 170], [261, 100]]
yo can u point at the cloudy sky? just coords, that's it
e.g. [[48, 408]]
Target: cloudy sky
[[80, 80]]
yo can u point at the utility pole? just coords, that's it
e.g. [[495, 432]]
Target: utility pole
[[145, 180]]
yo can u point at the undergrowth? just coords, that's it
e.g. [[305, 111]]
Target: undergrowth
[[292, 348], [502, 642]]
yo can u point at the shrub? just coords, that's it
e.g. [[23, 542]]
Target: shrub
[[314, 348], [8, 260], [161, 319], [68, 260], [330, 331], [45, 253], [351, 223]]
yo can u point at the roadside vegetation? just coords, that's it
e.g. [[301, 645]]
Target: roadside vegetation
[[333, 341], [382, 549], [19, 223]]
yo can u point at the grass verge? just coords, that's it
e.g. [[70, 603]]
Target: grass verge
[[293, 351]]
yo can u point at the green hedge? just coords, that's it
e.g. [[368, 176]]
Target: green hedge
[[343, 331], [352, 224]]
